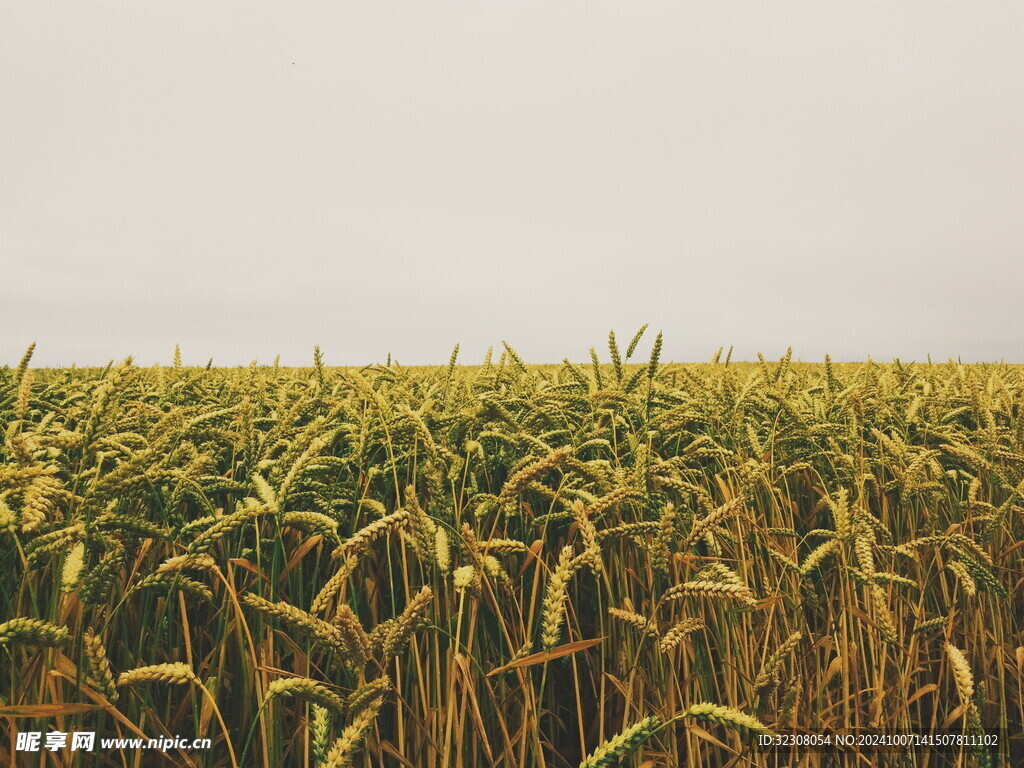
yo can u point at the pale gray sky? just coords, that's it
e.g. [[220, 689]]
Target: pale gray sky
[[253, 179]]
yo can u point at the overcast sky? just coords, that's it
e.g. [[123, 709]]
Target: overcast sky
[[248, 180]]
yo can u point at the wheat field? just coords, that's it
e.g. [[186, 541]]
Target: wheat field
[[623, 562]]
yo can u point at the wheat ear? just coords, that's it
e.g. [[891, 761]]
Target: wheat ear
[[675, 635], [961, 673], [620, 745], [727, 716], [32, 632], [340, 755], [175, 673], [310, 690], [554, 599], [99, 665], [738, 592]]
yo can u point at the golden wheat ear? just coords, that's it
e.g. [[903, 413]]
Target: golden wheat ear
[[310, 690], [99, 665], [961, 673], [554, 599], [174, 673], [342, 753], [727, 716]]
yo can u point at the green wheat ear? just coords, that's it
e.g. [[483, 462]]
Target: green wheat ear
[[652, 366], [23, 363], [636, 340], [596, 368], [622, 744], [613, 350], [27, 631]]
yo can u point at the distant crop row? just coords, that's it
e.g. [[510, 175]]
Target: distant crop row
[[644, 564]]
